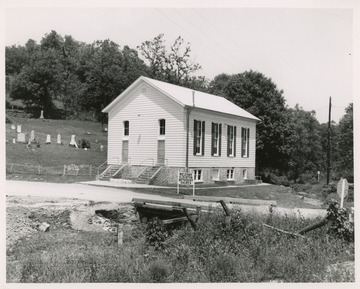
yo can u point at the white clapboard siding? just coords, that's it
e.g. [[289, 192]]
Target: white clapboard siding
[[143, 109], [207, 160]]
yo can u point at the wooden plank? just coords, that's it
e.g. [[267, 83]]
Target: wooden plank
[[232, 200], [282, 231], [157, 207], [189, 218], [174, 220], [226, 209], [169, 203]]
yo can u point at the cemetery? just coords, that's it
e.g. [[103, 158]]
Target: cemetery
[[54, 147]]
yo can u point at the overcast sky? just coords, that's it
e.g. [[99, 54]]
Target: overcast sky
[[306, 51]]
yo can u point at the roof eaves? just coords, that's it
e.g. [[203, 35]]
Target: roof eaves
[[162, 91], [117, 99]]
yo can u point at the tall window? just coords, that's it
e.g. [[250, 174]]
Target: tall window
[[245, 136], [126, 127], [199, 137], [215, 139], [231, 141], [162, 126]]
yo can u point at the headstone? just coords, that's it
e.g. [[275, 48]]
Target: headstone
[[21, 137], [48, 139], [32, 136], [13, 126], [18, 128], [58, 138], [14, 140], [73, 141], [42, 114], [44, 227], [101, 148]]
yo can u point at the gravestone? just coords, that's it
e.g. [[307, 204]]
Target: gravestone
[[58, 138], [42, 114], [101, 148], [48, 139], [13, 126], [32, 136], [14, 140], [21, 137], [18, 128], [73, 141]]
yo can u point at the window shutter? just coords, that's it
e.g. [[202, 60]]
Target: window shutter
[[195, 134], [242, 142], [234, 141], [203, 138], [248, 141], [220, 139], [228, 140], [212, 138]]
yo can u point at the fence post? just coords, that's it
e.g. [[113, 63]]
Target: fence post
[[11, 169], [120, 235], [39, 169], [64, 170], [90, 169]]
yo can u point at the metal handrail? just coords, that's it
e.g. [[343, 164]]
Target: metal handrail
[[143, 161], [98, 169]]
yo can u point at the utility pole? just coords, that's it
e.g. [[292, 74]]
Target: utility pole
[[328, 146]]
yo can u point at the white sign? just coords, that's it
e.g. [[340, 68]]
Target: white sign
[[186, 178], [342, 190]]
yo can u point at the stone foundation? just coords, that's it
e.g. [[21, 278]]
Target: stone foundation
[[169, 175]]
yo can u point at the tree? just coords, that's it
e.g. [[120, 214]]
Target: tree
[[175, 66], [259, 95], [108, 71], [345, 140], [306, 153]]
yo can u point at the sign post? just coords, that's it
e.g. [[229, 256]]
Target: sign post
[[187, 179], [342, 190]]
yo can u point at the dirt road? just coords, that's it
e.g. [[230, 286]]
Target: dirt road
[[119, 195]]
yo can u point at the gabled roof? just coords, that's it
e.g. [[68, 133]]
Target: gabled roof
[[184, 96]]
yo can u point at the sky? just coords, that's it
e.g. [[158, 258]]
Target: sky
[[307, 51]]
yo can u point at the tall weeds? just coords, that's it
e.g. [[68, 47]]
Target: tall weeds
[[244, 251]]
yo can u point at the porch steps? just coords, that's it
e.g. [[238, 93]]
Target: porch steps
[[110, 172], [147, 175]]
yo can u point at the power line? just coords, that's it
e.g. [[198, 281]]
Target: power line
[[210, 48]]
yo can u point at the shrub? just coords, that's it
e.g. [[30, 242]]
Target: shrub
[[84, 143], [156, 234], [340, 225], [328, 189], [158, 271], [278, 180]]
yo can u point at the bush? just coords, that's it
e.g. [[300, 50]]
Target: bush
[[305, 178], [340, 225], [84, 143], [158, 271], [328, 189], [278, 180], [156, 234]]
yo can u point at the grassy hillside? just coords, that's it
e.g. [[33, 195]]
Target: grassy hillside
[[51, 155]]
